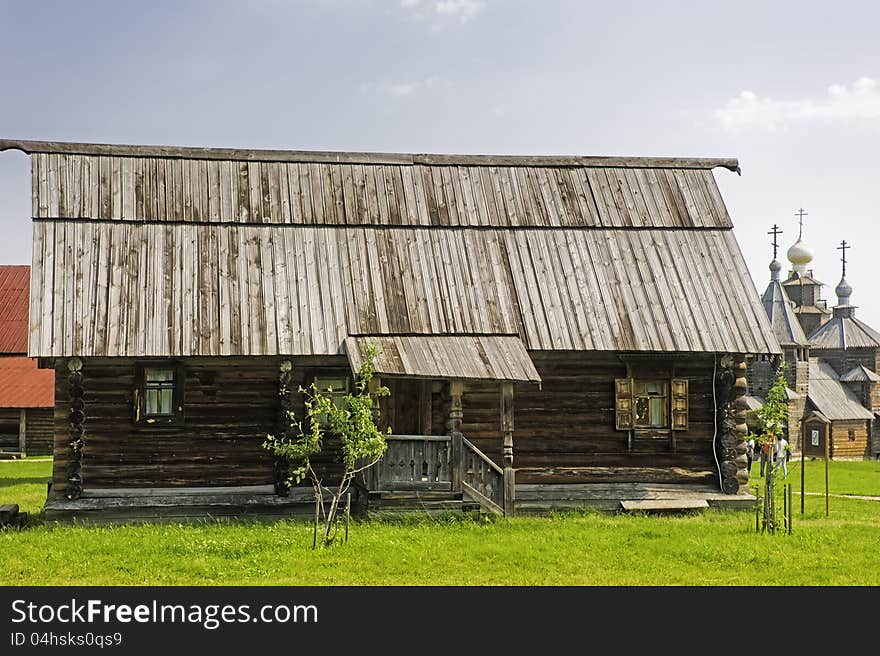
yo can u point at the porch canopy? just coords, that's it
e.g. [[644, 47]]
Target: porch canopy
[[484, 357]]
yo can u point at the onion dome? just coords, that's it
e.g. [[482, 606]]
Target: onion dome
[[775, 268], [843, 291], [800, 255]]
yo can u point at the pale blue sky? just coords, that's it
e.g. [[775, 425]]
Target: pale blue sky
[[787, 87]]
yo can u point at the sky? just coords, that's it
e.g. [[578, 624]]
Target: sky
[[791, 89]]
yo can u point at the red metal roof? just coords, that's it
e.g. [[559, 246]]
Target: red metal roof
[[14, 289], [22, 385]]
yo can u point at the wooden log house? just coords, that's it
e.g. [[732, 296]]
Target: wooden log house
[[554, 330]]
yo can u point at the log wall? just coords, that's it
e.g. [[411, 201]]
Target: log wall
[[569, 422], [229, 407], [842, 446], [39, 426]]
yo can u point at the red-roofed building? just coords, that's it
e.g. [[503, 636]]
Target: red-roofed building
[[27, 394]]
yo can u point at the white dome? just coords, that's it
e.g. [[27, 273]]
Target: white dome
[[800, 254]]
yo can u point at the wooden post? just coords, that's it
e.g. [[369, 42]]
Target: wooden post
[[76, 430], [507, 452], [740, 390], [22, 432], [455, 416], [347, 514], [803, 463], [827, 430]]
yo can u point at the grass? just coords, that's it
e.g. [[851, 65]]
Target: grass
[[845, 477], [24, 482], [714, 548]]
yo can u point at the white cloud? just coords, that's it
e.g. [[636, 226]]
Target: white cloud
[[857, 102], [440, 11]]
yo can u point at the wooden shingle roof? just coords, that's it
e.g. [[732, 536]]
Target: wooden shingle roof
[[481, 357], [831, 398], [143, 251]]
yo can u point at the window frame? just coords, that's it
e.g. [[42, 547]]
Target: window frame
[[675, 403], [139, 402], [664, 405], [335, 394]]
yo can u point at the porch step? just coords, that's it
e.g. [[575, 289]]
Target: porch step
[[427, 501], [663, 505]]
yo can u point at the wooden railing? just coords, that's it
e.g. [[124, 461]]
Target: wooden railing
[[481, 479], [415, 462]]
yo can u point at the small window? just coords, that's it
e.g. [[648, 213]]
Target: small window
[[648, 404], [852, 435], [159, 397], [336, 387], [652, 401]]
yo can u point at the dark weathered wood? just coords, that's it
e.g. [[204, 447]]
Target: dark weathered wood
[[414, 462], [76, 431], [22, 431], [454, 424], [507, 427], [116, 150], [663, 505]]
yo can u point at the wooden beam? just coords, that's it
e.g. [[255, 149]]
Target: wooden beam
[[506, 403], [456, 388], [251, 155], [22, 432]]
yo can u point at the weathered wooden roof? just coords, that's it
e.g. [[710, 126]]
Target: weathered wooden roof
[[860, 374], [786, 327], [266, 253], [844, 331], [831, 398], [455, 192], [493, 357], [112, 288]]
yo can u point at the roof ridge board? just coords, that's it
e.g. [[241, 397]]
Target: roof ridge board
[[385, 226], [407, 159]]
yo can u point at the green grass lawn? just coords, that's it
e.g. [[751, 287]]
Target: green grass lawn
[[715, 548], [24, 482]]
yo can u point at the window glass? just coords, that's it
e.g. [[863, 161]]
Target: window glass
[[652, 402], [158, 392]]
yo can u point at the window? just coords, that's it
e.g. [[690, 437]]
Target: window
[[852, 435], [158, 396], [336, 387], [650, 403]]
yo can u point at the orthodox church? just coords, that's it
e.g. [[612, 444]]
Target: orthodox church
[[831, 360]]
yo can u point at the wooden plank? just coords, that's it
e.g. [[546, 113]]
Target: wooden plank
[[662, 505], [361, 158]]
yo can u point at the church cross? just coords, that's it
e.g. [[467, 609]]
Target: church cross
[[775, 232], [801, 214], [843, 248]]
